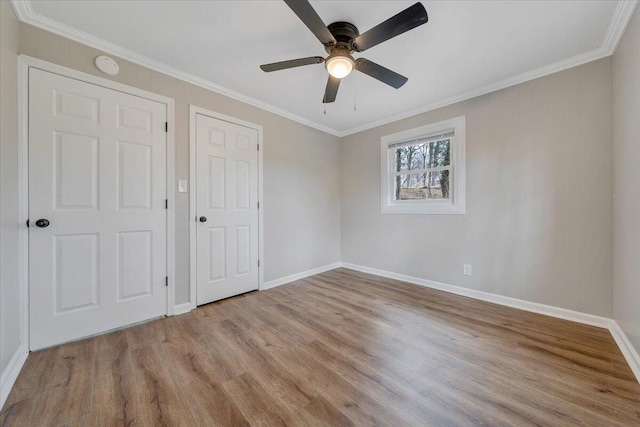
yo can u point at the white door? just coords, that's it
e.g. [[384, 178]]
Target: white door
[[97, 176], [226, 209]]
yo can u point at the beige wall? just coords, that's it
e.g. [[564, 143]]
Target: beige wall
[[9, 297], [626, 182], [539, 177], [301, 165], [539, 206]]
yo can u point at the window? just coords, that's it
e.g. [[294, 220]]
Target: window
[[423, 169]]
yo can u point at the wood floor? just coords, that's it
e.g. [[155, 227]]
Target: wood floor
[[340, 348]]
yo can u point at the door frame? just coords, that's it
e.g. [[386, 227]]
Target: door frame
[[24, 64], [193, 112]]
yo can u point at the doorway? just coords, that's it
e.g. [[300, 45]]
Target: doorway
[[99, 230], [225, 198]]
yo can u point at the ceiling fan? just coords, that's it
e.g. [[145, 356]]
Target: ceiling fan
[[340, 39]]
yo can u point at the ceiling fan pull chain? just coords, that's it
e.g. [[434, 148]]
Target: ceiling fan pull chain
[[355, 92]]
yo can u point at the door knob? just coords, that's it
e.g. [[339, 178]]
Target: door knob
[[203, 219], [42, 223]]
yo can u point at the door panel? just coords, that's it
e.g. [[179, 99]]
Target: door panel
[[97, 172], [135, 256], [76, 171], [134, 175], [217, 254], [76, 267], [243, 190], [243, 250], [227, 195], [217, 183]]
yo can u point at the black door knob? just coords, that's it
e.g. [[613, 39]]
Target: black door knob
[[203, 219], [42, 223]]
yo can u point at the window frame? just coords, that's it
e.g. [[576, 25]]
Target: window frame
[[457, 175]]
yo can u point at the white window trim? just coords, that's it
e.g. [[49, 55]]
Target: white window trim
[[455, 205]]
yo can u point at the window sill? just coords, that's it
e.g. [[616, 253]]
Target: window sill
[[447, 209]]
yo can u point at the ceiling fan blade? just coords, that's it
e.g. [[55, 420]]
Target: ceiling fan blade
[[381, 73], [331, 90], [309, 16], [406, 20], [292, 63]]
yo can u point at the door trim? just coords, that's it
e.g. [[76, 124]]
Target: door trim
[[24, 64], [193, 112]]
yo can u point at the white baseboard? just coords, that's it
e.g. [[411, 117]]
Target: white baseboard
[[548, 310], [182, 308], [9, 375], [281, 281], [628, 351]]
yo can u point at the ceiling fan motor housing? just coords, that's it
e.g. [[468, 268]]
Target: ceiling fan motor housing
[[344, 33]]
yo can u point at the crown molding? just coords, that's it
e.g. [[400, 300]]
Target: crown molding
[[26, 14], [483, 90], [621, 17], [619, 21]]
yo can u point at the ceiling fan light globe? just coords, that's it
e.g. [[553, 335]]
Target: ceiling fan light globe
[[339, 66]]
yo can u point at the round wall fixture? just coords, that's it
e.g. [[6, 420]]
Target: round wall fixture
[[107, 65]]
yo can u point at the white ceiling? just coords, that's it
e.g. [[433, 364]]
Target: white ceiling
[[466, 48]]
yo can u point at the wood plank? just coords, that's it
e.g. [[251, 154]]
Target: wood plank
[[116, 397], [254, 401], [327, 414], [36, 374], [340, 348], [163, 401], [210, 402]]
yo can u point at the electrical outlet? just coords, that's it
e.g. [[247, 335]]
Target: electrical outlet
[[467, 269], [182, 186]]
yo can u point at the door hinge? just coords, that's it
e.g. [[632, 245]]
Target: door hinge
[[258, 205], [166, 280], [27, 223], [166, 203], [166, 126], [258, 263], [258, 147]]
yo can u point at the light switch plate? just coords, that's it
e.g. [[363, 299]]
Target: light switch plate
[[182, 186], [467, 269]]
